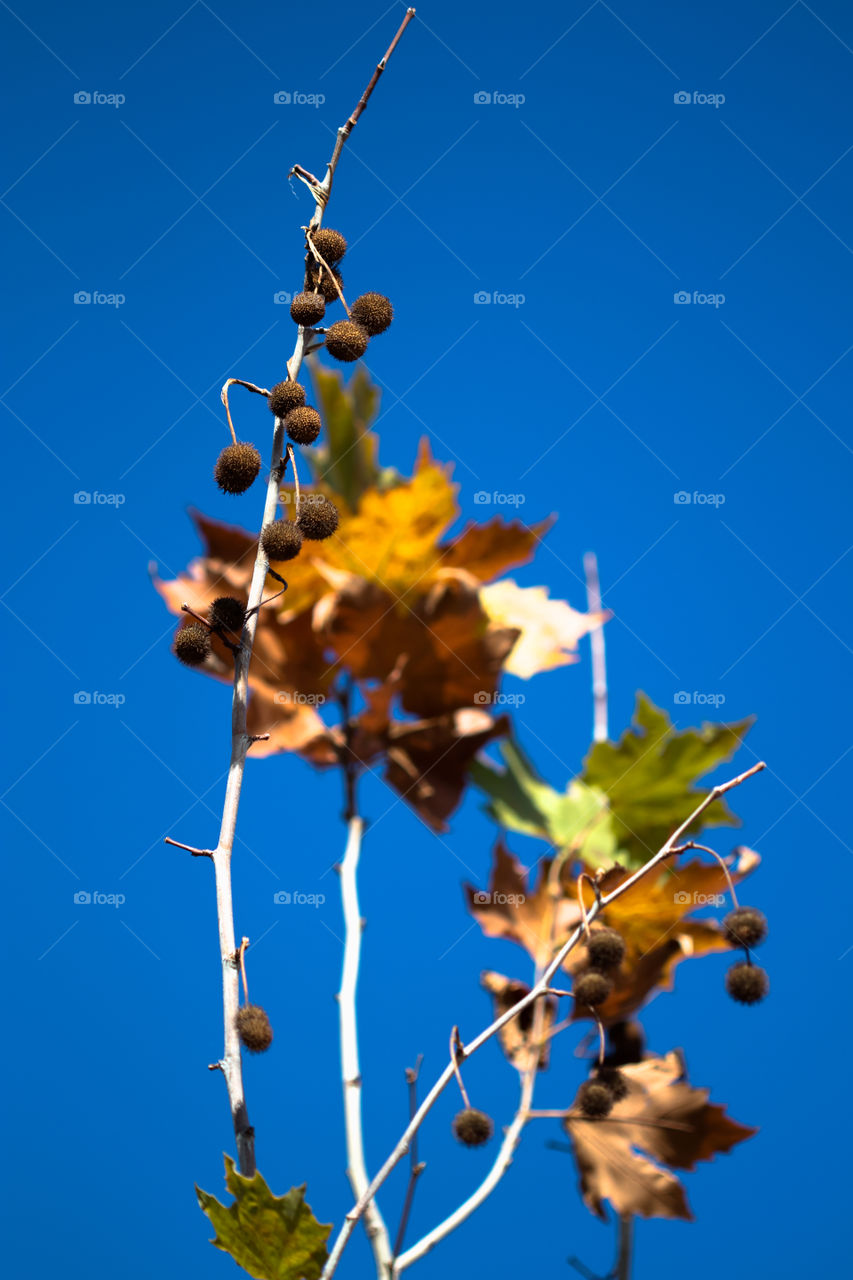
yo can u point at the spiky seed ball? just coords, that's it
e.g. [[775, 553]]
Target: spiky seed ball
[[303, 425], [595, 1099], [286, 396], [592, 988], [373, 311], [745, 927], [308, 308], [346, 340], [281, 540], [253, 1027], [747, 983], [325, 283], [330, 244], [236, 467], [472, 1127], [192, 644], [228, 613], [606, 949], [318, 518], [614, 1080]]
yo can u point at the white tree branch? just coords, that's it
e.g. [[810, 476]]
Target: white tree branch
[[536, 990], [350, 1070]]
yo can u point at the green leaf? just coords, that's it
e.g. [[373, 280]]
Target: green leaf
[[347, 460], [576, 819], [271, 1237], [649, 777]]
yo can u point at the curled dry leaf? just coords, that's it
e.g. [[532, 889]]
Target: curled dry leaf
[[515, 1036], [663, 1121]]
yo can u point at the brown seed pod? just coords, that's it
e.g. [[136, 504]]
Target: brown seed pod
[[346, 340], [323, 283], [472, 1127], [286, 396], [595, 1099], [308, 309], [591, 988], [614, 1080], [606, 949], [228, 613], [330, 244], [236, 467], [281, 540], [192, 644], [747, 983], [745, 927], [303, 425], [373, 311], [318, 517], [253, 1028]]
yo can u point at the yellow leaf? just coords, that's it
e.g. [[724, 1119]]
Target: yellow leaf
[[550, 629]]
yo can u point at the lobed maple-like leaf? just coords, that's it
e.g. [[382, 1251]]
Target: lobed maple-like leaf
[[271, 1237], [649, 777], [663, 1121]]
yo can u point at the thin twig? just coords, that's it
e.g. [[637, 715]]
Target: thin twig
[[223, 395], [691, 844], [539, 987], [622, 1270], [596, 642], [416, 1167], [196, 853]]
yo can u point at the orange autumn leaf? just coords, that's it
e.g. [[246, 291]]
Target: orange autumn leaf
[[663, 1121], [653, 917]]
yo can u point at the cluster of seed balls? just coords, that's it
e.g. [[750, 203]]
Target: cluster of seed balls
[[225, 618], [369, 315], [745, 982]]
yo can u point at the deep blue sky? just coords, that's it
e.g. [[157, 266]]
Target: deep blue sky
[[597, 198]]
